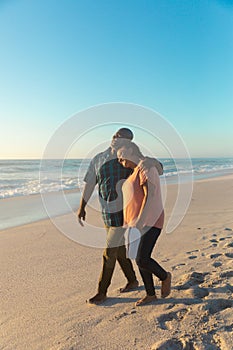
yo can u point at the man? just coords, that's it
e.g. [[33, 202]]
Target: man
[[108, 173]]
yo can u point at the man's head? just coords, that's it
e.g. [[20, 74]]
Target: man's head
[[124, 133], [120, 136]]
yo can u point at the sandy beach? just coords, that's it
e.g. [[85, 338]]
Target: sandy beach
[[46, 279]]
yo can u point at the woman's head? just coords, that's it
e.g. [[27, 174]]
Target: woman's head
[[129, 154]]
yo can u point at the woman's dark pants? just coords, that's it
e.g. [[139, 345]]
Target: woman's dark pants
[[147, 265]]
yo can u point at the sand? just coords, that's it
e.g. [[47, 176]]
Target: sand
[[46, 278]]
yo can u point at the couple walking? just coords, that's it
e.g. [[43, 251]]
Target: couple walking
[[137, 203]]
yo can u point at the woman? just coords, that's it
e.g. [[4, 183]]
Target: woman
[[143, 209]]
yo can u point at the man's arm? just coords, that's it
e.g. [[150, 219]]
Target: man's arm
[[149, 162], [87, 192], [90, 182]]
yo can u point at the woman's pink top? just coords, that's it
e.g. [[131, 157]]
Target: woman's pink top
[[133, 195]]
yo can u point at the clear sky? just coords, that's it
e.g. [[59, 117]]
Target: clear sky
[[61, 56]]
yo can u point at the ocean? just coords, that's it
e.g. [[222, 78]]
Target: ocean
[[26, 177], [25, 180]]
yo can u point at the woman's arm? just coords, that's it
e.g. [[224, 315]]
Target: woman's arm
[[148, 190], [140, 222]]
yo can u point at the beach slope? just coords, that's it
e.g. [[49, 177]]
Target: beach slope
[[46, 278]]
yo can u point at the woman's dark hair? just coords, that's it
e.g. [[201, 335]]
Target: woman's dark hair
[[136, 150]]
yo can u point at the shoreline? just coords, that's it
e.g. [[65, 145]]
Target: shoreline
[[74, 198]]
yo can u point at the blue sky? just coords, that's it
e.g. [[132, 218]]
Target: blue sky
[[60, 57]]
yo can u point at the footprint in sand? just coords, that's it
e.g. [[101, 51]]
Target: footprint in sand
[[229, 255], [213, 240], [174, 344], [229, 245], [196, 292], [229, 287], [217, 264], [192, 257], [227, 274], [214, 256], [192, 251], [189, 280], [216, 305], [166, 321], [224, 238], [175, 267], [124, 314]]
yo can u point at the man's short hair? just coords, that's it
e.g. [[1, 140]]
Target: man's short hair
[[124, 133]]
